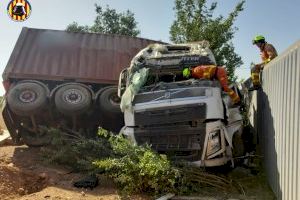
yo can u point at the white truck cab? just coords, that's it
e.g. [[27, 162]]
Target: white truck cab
[[189, 119]]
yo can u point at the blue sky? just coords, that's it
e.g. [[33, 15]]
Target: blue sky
[[277, 20]]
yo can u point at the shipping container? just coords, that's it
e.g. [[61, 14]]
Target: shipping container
[[66, 80]]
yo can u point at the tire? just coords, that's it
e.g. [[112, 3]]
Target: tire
[[112, 119], [27, 98], [73, 99], [109, 101]]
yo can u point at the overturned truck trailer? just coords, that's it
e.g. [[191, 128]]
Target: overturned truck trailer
[[65, 80]]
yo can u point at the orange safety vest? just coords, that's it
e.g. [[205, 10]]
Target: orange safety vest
[[212, 71], [204, 71]]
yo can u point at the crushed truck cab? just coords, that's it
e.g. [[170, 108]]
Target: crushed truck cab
[[187, 119]]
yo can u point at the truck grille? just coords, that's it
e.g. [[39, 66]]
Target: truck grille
[[168, 94], [174, 114], [178, 142]]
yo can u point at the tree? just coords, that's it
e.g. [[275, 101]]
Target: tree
[[195, 22], [109, 21], [74, 27]]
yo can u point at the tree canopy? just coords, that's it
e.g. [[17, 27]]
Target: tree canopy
[[195, 21], [109, 21]]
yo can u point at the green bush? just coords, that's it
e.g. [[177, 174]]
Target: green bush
[[133, 168], [138, 168], [76, 151]]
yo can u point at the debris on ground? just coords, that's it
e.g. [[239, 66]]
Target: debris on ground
[[87, 182]]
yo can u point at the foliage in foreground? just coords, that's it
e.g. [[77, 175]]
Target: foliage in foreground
[[138, 169], [133, 168]]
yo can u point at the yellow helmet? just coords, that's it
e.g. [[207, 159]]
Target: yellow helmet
[[186, 72]]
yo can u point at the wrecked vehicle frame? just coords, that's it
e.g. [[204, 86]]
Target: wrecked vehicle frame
[[189, 119]]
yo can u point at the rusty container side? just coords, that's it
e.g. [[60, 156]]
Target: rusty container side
[[83, 57]]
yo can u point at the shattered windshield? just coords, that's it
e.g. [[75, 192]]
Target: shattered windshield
[[166, 63]]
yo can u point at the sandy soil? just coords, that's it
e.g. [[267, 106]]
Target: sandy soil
[[24, 176]]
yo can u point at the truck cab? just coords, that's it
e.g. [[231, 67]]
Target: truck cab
[[186, 119]]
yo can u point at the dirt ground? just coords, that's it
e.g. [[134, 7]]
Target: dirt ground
[[24, 176]]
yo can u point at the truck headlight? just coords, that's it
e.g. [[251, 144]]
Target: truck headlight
[[214, 143]]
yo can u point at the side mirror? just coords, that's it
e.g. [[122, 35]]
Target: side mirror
[[122, 82]]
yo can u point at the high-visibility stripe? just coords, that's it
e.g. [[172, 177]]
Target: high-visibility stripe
[[206, 75], [255, 80], [254, 75], [211, 69]]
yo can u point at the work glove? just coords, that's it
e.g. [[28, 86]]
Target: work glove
[[186, 72]]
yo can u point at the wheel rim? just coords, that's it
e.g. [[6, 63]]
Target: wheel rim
[[27, 96], [72, 96]]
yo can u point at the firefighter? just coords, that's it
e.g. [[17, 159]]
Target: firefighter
[[268, 52], [212, 72]]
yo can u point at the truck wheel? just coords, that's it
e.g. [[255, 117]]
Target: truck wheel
[[109, 101], [73, 99], [27, 98]]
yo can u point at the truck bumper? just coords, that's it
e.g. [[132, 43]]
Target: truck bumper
[[182, 143]]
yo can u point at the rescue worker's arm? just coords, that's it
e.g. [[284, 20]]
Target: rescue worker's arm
[[271, 51]]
